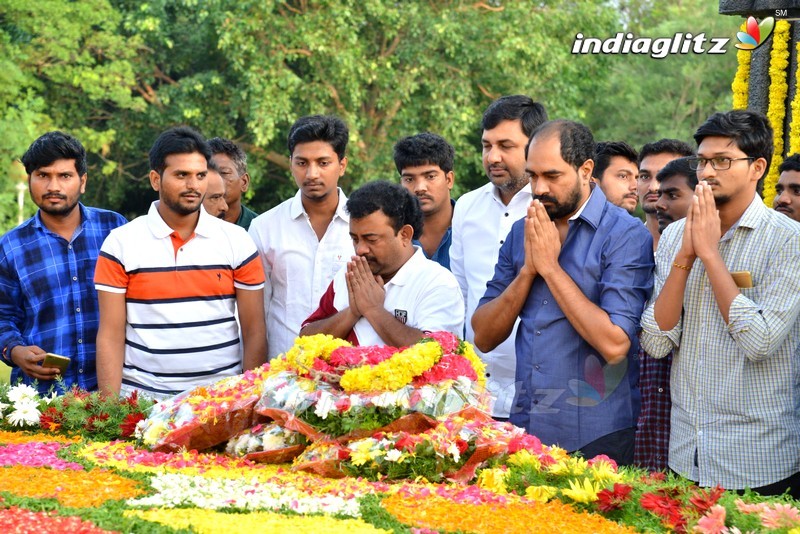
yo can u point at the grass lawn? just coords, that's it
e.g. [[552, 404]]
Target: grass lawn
[[5, 373]]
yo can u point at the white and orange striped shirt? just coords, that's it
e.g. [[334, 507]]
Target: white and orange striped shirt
[[181, 328]]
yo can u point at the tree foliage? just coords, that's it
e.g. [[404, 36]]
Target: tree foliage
[[118, 72]]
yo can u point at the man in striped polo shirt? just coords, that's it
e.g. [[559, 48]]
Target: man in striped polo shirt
[[169, 284]]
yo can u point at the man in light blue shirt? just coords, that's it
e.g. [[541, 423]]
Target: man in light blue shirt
[[577, 271]]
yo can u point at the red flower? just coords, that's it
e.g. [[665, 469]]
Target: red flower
[[406, 442], [662, 504], [658, 476], [530, 443], [448, 341], [358, 356], [462, 445], [608, 500], [91, 423], [343, 454], [449, 367], [342, 403], [128, 426], [132, 399], [703, 500], [51, 420]]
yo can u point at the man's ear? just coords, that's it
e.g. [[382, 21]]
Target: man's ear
[[155, 181], [585, 170], [245, 178], [83, 183], [759, 168], [343, 165], [407, 233]]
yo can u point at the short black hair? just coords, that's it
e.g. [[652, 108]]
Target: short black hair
[[665, 146], [327, 128], [515, 107], [678, 167], [53, 146], [792, 163], [577, 141], [750, 130], [213, 166], [604, 151], [400, 206], [178, 140], [220, 145], [424, 149]]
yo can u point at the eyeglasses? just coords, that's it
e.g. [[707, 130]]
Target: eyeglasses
[[718, 164]]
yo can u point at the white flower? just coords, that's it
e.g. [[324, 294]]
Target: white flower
[[325, 404], [3, 406], [26, 413], [453, 451], [394, 455], [22, 392]]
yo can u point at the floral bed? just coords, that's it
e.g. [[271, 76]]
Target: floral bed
[[412, 452]]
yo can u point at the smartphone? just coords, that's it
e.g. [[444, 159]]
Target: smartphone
[[54, 360]]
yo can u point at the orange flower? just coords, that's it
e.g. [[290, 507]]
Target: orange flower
[[77, 489], [435, 512]]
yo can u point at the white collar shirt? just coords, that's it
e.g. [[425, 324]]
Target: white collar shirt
[[298, 266], [481, 223]]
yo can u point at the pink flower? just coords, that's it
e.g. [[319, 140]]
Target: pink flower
[[448, 341], [747, 508], [713, 522], [780, 516], [602, 458]]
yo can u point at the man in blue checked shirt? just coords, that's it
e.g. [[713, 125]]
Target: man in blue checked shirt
[[47, 298]]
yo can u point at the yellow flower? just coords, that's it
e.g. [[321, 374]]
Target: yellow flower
[[524, 458], [557, 453], [776, 110], [363, 453], [493, 480], [569, 466], [604, 473], [305, 350], [477, 363], [586, 492], [541, 493], [794, 128], [741, 82]]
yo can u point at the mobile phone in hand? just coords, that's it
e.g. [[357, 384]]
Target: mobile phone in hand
[[55, 360]]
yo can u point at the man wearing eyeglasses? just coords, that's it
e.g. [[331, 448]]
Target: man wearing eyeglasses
[[652, 158], [726, 301], [615, 172]]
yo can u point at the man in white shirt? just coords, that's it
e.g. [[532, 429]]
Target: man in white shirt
[[305, 240], [390, 294], [483, 218]]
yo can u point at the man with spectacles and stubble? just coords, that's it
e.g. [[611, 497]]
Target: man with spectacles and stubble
[[652, 159], [726, 302]]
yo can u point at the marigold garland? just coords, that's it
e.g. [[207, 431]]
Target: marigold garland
[[741, 82], [75, 489], [794, 128], [394, 373], [435, 512], [210, 522], [776, 111]]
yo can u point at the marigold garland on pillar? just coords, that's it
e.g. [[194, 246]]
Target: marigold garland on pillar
[[794, 128], [776, 111], [741, 82]]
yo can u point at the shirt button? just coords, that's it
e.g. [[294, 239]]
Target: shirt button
[[544, 301], [536, 367], [75, 278], [699, 432], [502, 241], [80, 341], [77, 309], [80, 370], [661, 390], [488, 375], [69, 247], [506, 214], [538, 333], [536, 402]]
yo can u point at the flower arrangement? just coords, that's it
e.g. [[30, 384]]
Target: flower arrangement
[[325, 387], [794, 128], [76, 413], [268, 443], [204, 416]]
